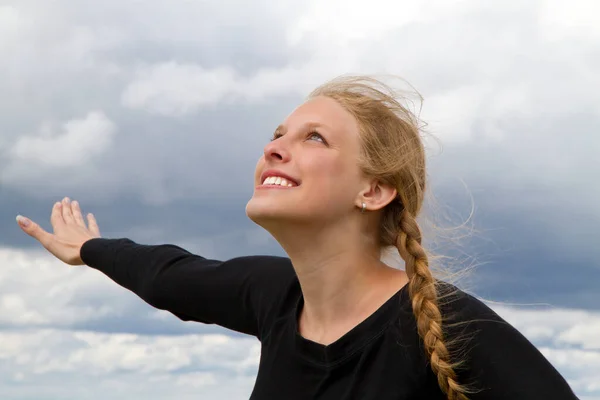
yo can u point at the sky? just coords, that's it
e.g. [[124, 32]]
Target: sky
[[153, 114]]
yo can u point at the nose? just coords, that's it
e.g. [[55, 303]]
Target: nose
[[276, 151]]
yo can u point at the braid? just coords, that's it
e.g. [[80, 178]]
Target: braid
[[422, 290], [393, 152]]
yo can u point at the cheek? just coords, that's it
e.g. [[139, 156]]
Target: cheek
[[334, 178], [258, 169]]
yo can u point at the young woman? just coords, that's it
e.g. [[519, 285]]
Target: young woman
[[343, 178]]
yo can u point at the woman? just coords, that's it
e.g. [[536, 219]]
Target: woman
[[342, 179]]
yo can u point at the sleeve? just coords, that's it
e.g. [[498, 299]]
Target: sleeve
[[500, 363], [240, 294]]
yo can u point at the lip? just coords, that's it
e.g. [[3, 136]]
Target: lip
[[274, 172]]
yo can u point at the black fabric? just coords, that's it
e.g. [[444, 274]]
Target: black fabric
[[381, 358]]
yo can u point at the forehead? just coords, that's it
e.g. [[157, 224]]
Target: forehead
[[321, 112]]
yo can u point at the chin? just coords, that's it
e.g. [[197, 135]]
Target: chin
[[259, 210], [264, 212]]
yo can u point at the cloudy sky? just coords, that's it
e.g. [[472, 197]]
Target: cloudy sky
[[152, 114]]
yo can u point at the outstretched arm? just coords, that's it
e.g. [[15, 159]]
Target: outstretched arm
[[240, 294]]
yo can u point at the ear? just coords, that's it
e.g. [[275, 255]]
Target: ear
[[376, 196]]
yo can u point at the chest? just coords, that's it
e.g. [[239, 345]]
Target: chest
[[382, 369]]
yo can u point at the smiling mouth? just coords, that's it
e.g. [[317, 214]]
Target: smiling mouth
[[277, 181]]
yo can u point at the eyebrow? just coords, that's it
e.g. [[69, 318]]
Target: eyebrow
[[310, 125], [281, 130]]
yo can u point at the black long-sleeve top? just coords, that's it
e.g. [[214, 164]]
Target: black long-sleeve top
[[382, 358]]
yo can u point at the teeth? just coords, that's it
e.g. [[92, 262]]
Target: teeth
[[277, 180]]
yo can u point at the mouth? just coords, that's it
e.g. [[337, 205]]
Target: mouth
[[277, 179]]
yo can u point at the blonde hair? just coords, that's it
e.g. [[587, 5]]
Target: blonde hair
[[394, 153]]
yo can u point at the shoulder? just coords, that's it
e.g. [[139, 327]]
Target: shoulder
[[268, 276], [278, 264], [274, 275], [469, 325], [464, 317], [473, 329], [270, 285], [498, 359], [461, 307]]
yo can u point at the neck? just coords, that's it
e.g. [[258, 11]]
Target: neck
[[342, 278]]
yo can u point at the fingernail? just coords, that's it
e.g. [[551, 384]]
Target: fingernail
[[21, 220], [67, 200]]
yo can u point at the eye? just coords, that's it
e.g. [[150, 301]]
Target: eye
[[276, 136], [314, 135]]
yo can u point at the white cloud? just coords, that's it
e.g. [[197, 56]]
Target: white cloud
[[218, 364], [511, 84], [10, 21], [343, 22], [38, 290], [174, 89], [474, 68], [570, 339], [79, 141], [579, 19], [561, 326], [41, 298], [71, 152], [201, 364], [504, 74]]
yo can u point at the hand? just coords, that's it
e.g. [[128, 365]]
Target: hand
[[70, 231]]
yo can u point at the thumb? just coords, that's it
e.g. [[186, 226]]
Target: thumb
[[34, 230]]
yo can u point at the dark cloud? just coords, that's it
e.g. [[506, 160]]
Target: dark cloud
[[186, 180], [520, 255], [508, 90]]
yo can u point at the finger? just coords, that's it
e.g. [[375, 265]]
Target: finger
[[76, 210], [93, 225], [56, 218], [66, 211], [35, 231]]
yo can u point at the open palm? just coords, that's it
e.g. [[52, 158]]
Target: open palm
[[70, 231]]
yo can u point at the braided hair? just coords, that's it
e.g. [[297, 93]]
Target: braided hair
[[393, 152]]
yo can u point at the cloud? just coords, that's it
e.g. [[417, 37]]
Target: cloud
[[39, 291], [100, 353], [57, 160], [569, 338], [181, 365], [196, 91], [10, 21], [217, 365], [488, 75], [155, 121], [80, 140], [578, 19], [173, 89], [59, 321], [562, 327]]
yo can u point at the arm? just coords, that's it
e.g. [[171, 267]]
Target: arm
[[500, 362], [241, 294], [238, 294]]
